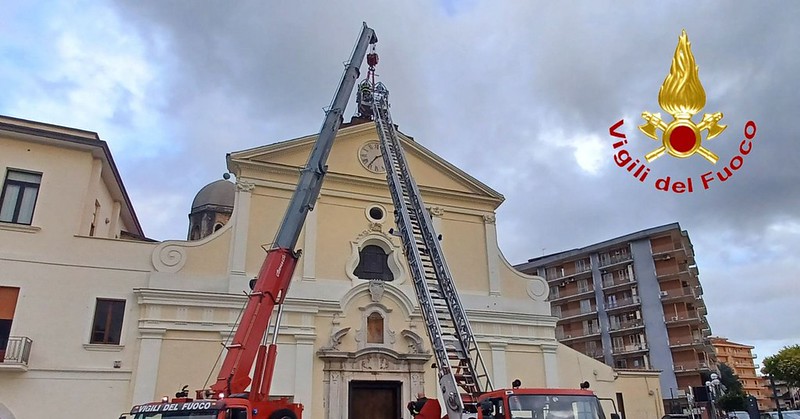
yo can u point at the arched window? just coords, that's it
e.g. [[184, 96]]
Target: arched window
[[373, 264], [375, 328]]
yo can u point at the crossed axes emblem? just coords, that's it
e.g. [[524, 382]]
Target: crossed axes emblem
[[676, 135]]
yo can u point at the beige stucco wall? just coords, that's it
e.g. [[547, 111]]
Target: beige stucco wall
[[60, 272]]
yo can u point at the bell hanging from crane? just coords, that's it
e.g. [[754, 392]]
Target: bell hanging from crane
[[364, 95]]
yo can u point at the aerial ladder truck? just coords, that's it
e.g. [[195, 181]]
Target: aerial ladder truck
[[463, 379], [228, 397]]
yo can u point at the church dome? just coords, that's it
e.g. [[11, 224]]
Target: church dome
[[218, 193]]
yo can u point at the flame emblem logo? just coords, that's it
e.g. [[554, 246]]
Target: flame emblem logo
[[682, 96]]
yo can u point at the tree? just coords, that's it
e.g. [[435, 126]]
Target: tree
[[734, 398], [731, 402], [784, 366], [729, 379]]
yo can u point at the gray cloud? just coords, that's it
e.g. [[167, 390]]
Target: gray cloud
[[506, 92]]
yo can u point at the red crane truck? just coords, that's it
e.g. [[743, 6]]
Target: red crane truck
[[228, 397]]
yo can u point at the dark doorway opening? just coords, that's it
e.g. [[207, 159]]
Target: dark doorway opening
[[374, 400]]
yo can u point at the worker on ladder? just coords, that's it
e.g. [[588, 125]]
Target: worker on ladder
[[364, 100], [424, 408]]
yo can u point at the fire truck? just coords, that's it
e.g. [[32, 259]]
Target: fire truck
[[462, 375]]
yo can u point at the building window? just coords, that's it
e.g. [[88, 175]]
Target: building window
[[19, 196], [376, 214], [375, 328], [586, 306], [583, 285], [554, 292], [373, 264], [107, 325]]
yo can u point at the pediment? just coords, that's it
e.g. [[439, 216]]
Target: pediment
[[430, 171]]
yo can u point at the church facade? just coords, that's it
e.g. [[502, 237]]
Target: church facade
[[351, 327]]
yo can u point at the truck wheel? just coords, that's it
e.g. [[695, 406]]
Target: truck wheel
[[283, 414]]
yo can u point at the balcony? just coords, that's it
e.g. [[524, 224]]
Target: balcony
[[626, 325], [17, 353], [679, 294], [622, 303], [607, 260], [618, 282], [691, 366], [556, 275], [629, 349], [667, 252], [577, 293], [633, 367], [683, 318], [686, 342], [671, 272], [577, 334], [597, 354], [577, 312]]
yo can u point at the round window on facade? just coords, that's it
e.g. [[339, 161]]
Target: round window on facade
[[376, 213]]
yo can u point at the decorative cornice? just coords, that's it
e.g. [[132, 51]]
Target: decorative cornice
[[437, 211], [244, 186]]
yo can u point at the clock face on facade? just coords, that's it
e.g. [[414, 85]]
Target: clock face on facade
[[371, 158]]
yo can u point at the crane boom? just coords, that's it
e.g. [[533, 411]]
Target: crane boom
[[462, 372], [272, 283]]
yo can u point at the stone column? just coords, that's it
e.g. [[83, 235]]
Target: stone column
[[436, 218], [549, 352], [144, 389], [304, 369], [499, 371], [492, 253], [310, 246], [238, 253]]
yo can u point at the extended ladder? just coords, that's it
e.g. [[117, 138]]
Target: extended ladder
[[462, 372]]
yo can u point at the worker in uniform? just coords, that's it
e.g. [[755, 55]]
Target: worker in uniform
[[424, 408], [364, 100]]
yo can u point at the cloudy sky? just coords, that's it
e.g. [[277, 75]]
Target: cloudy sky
[[519, 94]]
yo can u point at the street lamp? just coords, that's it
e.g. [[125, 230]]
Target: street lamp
[[715, 390]]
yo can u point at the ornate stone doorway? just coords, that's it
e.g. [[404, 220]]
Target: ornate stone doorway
[[375, 399], [347, 374]]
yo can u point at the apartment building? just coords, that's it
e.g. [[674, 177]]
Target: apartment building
[[633, 302], [786, 396], [740, 358]]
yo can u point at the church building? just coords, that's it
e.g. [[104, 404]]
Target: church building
[[351, 329]]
